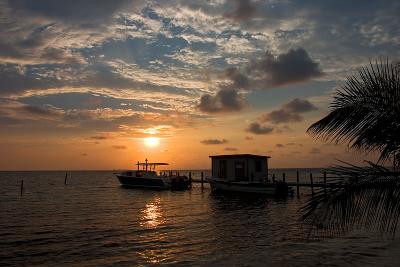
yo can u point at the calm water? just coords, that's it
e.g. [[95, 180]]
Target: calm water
[[94, 222]]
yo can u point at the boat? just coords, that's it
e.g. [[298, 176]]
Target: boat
[[244, 173], [147, 177]]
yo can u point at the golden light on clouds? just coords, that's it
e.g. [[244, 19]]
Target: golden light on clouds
[[151, 141]]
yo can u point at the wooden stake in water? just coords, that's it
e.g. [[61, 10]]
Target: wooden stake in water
[[22, 186], [284, 177], [298, 181], [202, 180], [65, 180], [312, 185], [273, 177], [325, 183]]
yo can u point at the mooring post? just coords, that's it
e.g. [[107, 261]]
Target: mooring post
[[284, 177], [325, 183], [312, 185], [22, 186], [202, 180], [65, 179], [298, 181], [273, 177]]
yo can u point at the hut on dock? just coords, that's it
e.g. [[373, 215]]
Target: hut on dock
[[240, 167]]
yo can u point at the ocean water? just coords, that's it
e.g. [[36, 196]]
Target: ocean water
[[92, 221]]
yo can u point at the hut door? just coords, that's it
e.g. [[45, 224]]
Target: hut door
[[239, 171]]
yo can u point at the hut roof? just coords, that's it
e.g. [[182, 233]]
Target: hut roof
[[250, 156]]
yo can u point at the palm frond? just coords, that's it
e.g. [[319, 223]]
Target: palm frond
[[366, 112], [359, 197]]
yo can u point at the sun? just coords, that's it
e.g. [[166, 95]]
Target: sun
[[151, 141]]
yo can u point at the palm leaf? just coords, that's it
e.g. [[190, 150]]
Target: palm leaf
[[366, 112], [360, 197]]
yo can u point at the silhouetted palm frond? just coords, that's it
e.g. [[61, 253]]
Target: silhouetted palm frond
[[357, 197], [366, 112]]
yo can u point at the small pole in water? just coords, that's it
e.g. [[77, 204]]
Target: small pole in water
[[298, 181], [312, 185], [22, 186], [325, 183], [273, 177], [65, 179], [202, 181], [284, 177]]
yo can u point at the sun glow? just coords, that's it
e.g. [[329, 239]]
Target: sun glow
[[151, 141]]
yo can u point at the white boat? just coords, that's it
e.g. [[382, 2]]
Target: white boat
[[245, 173], [147, 177]]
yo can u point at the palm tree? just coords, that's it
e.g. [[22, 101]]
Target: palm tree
[[366, 112], [365, 115]]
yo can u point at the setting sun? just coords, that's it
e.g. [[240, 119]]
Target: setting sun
[[151, 141]]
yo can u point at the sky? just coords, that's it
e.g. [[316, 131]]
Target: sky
[[96, 84]]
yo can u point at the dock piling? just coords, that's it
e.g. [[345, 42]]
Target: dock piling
[[325, 183], [22, 186], [65, 179], [202, 180], [312, 185], [284, 177], [273, 177], [298, 181]]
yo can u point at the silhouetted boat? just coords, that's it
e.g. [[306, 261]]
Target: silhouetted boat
[[147, 177], [244, 173]]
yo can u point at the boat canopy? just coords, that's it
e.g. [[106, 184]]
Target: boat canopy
[[150, 165]]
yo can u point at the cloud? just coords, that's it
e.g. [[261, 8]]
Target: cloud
[[249, 138], [230, 149], [291, 67], [84, 154], [256, 128], [244, 10], [299, 105], [270, 71], [87, 13], [280, 145], [214, 141], [226, 100], [294, 144], [119, 147], [290, 112], [98, 137], [315, 150]]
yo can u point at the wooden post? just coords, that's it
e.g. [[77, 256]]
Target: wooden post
[[298, 181], [325, 183], [312, 185], [284, 177], [273, 177], [202, 180], [65, 179], [22, 186]]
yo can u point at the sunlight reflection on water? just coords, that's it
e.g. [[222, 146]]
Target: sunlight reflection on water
[[152, 215]]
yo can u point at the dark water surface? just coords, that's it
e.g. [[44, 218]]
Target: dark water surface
[[92, 221]]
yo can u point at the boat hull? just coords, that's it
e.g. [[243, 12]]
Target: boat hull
[[141, 182], [248, 187]]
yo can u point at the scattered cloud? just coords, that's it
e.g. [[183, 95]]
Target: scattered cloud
[[290, 112], [119, 147], [226, 100], [230, 149], [214, 141], [256, 128], [248, 138], [291, 67], [315, 150], [243, 10], [98, 137], [280, 145]]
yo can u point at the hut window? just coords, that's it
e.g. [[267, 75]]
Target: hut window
[[258, 165]]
